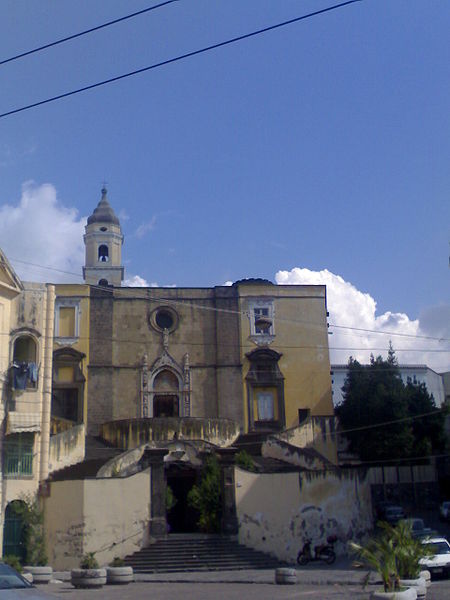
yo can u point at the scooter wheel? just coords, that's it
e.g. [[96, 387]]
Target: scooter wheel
[[330, 557], [302, 559]]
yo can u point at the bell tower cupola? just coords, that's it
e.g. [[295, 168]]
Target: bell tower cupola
[[103, 241]]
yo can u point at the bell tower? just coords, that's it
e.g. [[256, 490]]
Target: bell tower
[[103, 241]]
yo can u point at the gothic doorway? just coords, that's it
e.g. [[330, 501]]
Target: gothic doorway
[[181, 518], [166, 394]]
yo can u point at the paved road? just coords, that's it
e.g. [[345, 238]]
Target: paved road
[[228, 591]]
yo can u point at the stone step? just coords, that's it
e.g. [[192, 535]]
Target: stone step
[[185, 552]]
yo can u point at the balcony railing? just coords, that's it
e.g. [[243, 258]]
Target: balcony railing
[[18, 464]]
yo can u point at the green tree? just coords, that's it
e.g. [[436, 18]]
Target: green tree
[[375, 394], [428, 431], [206, 497], [32, 515]]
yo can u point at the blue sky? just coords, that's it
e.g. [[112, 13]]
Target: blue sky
[[323, 146]]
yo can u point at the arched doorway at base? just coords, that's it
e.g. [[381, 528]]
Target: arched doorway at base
[[181, 518], [14, 531]]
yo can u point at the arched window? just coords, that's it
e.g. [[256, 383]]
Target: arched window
[[24, 349], [24, 365], [103, 253], [103, 282]]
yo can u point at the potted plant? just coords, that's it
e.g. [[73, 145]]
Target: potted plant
[[379, 554], [36, 560], [408, 551], [89, 575], [118, 573]]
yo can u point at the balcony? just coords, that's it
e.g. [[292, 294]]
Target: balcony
[[131, 433]]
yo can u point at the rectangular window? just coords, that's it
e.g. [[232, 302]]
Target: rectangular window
[[261, 315], [265, 406], [66, 321], [18, 455], [263, 323], [67, 318]]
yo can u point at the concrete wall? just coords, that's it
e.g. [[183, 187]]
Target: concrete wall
[[317, 433], [107, 516], [66, 448], [278, 511]]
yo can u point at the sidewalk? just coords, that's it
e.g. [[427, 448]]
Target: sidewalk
[[339, 573]]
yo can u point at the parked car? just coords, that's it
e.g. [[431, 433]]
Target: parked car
[[444, 511], [14, 587], [438, 563], [391, 513], [418, 528]]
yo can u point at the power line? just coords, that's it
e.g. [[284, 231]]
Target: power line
[[85, 32], [177, 58], [175, 302]]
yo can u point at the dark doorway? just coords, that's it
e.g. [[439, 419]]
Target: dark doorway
[[14, 531], [181, 518], [165, 405]]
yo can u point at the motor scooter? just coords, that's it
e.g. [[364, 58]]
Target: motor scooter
[[324, 552]]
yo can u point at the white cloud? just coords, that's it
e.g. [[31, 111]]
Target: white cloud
[[356, 310], [138, 281], [144, 228], [39, 230]]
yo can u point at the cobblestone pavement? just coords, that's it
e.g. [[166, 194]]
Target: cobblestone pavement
[[228, 591]]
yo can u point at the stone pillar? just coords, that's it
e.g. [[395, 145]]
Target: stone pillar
[[47, 359], [229, 523], [154, 458]]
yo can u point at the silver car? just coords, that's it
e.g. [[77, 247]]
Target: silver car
[[14, 587]]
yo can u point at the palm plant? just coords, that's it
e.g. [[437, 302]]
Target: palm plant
[[379, 554], [408, 549]]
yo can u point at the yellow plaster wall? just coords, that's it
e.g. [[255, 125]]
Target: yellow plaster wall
[[66, 448], [301, 336], [80, 292], [107, 516], [278, 511]]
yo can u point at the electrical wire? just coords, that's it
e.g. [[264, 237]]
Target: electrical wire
[[174, 302], [177, 58], [85, 32]]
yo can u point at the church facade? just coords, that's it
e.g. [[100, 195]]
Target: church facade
[[252, 353], [155, 380]]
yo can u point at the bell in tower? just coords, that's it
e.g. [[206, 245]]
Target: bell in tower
[[103, 241]]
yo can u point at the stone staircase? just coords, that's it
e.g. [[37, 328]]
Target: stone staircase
[[198, 552]]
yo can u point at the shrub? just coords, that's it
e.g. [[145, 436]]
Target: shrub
[[379, 554], [31, 513], [206, 497], [88, 561], [13, 561], [170, 499], [394, 554], [117, 562], [244, 460]]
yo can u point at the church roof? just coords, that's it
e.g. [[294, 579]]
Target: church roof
[[103, 213]]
